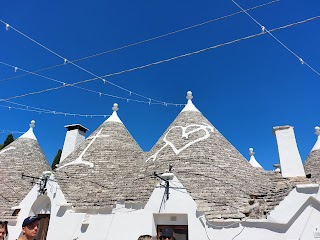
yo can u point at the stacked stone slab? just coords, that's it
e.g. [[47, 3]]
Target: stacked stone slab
[[312, 166], [23, 156], [217, 176], [108, 169]]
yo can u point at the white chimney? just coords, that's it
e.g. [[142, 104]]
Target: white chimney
[[290, 160], [74, 137]]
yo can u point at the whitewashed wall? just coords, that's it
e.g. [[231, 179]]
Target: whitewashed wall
[[297, 217]]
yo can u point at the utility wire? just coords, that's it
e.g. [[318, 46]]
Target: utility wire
[[266, 30], [147, 40], [166, 60]]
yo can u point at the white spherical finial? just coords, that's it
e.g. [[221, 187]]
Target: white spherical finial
[[251, 152], [32, 124], [189, 95], [317, 130], [115, 107]]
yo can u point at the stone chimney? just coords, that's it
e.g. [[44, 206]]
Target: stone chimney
[[74, 137], [290, 160]]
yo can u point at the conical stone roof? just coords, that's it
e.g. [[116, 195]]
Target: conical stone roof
[[312, 163], [217, 176], [101, 171], [22, 156]]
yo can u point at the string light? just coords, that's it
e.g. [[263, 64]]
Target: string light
[[83, 69], [299, 58], [41, 110], [9, 131], [151, 39], [202, 50], [167, 60], [79, 67], [63, 85]]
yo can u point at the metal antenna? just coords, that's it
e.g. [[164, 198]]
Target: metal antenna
[[42, 183], [167, 184]]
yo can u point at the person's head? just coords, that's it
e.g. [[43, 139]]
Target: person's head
[[30, 227], [145, 237], [3, 229], [167, 234]]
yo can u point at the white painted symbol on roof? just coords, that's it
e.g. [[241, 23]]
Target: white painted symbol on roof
[[205, 127], [7, 149], [79, 160]]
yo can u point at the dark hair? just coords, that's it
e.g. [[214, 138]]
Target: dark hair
[[4, 224], [145, 237]]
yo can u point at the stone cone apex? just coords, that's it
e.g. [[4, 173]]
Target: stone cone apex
[[208, 165], [312, 163], [317, 144], [114, 116], [253, 160], [102, 166], [24, 155], [189, 106], [29, 134]]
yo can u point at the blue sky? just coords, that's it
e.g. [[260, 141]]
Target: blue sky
[[244, 89]]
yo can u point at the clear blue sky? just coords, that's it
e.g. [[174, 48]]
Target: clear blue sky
[[244, 89]]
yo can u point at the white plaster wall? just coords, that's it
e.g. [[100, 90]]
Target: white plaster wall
[[27, 207], [296, 217]]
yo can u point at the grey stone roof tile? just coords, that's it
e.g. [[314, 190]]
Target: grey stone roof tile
[[213, 171], [115, 156], [312, 166], [24, 155]]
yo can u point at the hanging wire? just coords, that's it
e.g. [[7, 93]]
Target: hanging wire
[[282, 44], [40, 110], [9, 131], [146, 40], [79, 67], [64, 84], [163, 61]]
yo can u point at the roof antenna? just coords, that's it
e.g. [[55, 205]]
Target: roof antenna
[[167, 184], [42, 181]]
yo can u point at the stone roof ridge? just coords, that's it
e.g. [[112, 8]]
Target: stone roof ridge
[[253, 160], [317, 144], [114, 116], [29, 134], [190, 106]]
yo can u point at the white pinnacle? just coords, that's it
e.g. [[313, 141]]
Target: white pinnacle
[[29, 134], [251, 152], [115, 107], [189, 95], [114, 117], [253, 160], [189, 106], [32, 124], [317, 144]]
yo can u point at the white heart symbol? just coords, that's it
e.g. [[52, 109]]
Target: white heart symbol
[[206, 128]]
